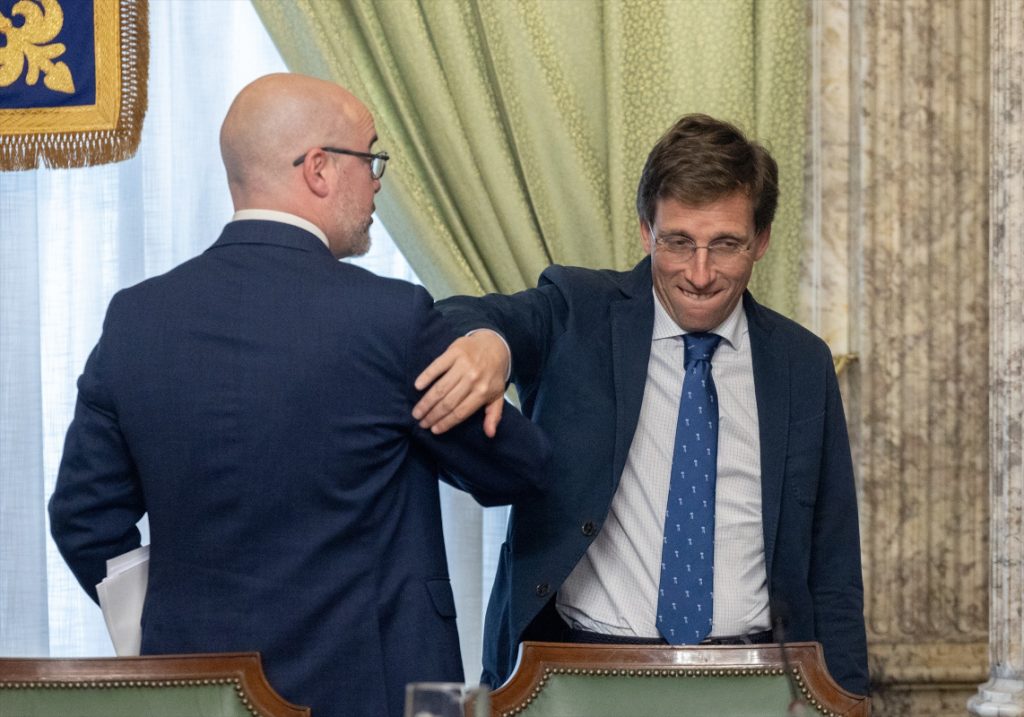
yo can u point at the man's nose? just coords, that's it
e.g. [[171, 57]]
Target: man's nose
[[700, 269]]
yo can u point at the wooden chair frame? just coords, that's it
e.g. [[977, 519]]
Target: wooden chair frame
[[242, 670], [538, 661]]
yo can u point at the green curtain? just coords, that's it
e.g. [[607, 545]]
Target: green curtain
[[519, 127]]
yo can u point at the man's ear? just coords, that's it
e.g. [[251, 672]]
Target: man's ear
[[645, 235], [761, 242], [314, 169]]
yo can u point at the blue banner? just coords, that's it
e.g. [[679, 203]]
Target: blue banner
[[72, 81], [53, 46]]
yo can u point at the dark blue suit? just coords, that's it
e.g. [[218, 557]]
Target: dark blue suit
[[256, 402], [580, 345]]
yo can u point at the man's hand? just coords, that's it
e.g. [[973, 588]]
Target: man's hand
[[471, 373]]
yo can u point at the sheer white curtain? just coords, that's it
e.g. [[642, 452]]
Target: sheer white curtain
[[68, 240]]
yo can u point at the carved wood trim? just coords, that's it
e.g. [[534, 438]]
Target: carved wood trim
[[539, 660], [244, 670]]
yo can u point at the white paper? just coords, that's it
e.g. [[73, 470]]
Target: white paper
[[122, 594]]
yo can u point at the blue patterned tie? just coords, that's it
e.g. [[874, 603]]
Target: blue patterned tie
[[688, 552]]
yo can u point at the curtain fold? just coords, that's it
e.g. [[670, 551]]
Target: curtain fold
[[518, 129]]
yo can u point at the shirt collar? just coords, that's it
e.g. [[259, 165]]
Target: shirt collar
[[732, 329], [272, 215]]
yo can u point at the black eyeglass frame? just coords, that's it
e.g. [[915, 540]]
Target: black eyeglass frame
[[381, 157]]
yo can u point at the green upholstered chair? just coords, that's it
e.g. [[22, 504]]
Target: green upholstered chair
[[214, 685], [560, 680]]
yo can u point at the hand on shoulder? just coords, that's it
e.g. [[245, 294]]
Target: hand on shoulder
[[468, 376]]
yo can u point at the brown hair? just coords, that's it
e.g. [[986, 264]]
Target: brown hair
[[700, 160]]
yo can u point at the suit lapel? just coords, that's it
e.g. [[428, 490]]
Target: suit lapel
[[632, 323], [771, 389]]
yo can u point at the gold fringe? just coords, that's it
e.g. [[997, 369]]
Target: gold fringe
[[119, 141]]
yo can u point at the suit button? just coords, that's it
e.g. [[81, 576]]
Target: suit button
[[589, 528], [543, 589]]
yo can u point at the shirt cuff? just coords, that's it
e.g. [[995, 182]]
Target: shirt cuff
[[508, 350]]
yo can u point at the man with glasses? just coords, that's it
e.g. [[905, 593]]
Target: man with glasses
[[703, 490], [256, 403]]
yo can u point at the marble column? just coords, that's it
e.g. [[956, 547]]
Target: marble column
[[897, 274], [1003, 694]]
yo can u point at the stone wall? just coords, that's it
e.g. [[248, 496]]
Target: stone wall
[[897, 276]]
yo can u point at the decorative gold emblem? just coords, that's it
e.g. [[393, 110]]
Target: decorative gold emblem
[[50, 127], [27, 46]]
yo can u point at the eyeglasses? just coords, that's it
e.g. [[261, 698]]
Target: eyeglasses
[[683, 249], [378, 161]]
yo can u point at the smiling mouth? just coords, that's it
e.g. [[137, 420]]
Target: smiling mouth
[[699, 295]]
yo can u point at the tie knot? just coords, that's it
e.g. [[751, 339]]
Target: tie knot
[[699, 347]]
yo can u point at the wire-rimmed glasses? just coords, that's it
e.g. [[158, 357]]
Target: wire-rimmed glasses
[[683, 249]]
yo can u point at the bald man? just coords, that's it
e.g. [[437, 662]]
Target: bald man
[[256, 402]]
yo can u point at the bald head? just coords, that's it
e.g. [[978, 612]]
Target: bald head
[[275, 119]]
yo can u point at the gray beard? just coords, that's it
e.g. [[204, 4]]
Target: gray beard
[[357, 244], [361, 243]]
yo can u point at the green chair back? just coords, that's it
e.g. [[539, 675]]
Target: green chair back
[[214, 685], [560, 680]]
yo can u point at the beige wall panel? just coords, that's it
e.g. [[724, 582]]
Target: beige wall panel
[[897, 274]]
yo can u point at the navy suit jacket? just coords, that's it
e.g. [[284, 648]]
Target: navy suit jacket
[[256, 403], [580, 344]]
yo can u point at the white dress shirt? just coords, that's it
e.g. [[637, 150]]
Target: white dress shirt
[[613, 590], [273, 215]]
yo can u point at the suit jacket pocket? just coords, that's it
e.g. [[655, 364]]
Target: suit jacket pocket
[[440, 590]]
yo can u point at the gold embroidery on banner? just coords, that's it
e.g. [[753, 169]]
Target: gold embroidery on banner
[[26, 46], [81, 135]]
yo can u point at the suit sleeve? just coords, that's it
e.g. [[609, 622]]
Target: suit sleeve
[[835, 568], [98, 498], [530, 321], [509, 468]]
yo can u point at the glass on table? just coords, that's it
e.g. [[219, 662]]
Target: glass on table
[[446, 699]]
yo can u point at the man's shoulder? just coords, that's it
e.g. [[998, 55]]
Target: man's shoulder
[[782, 330], [173, 280], [598, 281], [584, 275], [323, 289], [353, 274], [211, 265]]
